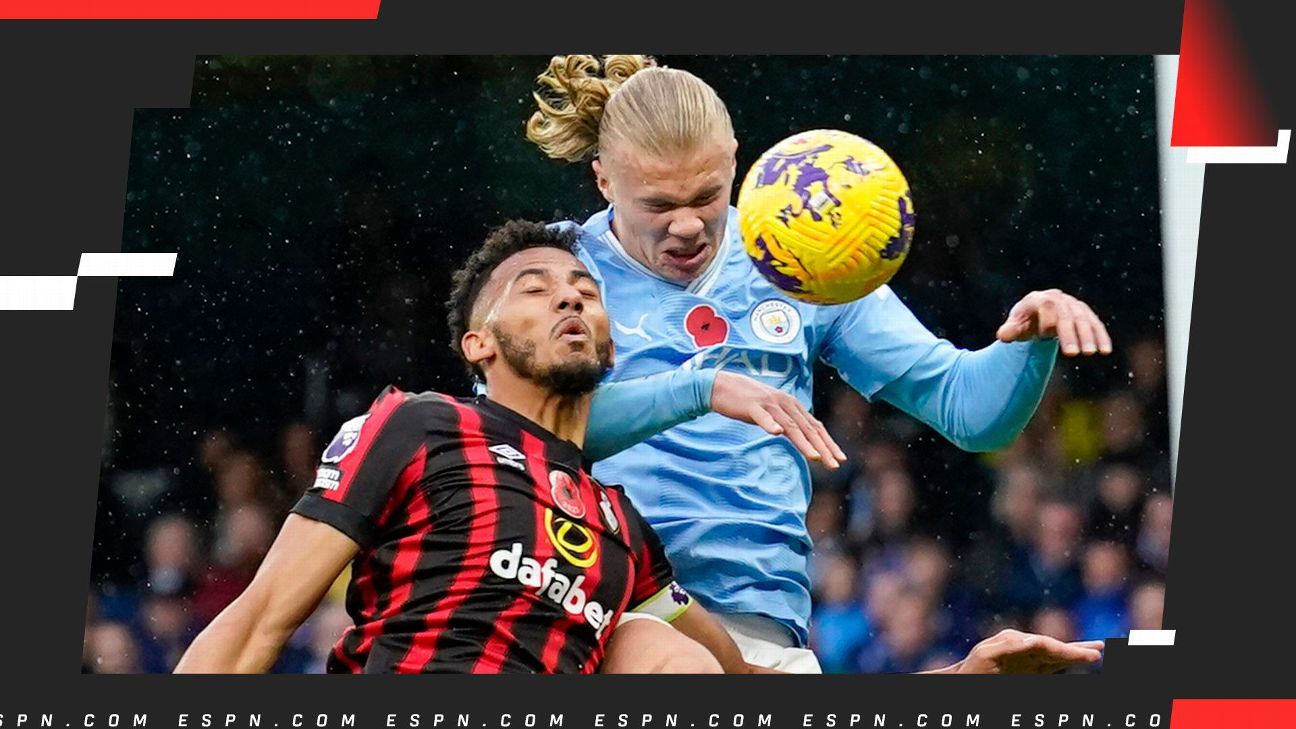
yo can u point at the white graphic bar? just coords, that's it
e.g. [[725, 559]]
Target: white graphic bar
[[1275, 155], [37, 293], [1151, 637], [1182, 185], [127, 264]]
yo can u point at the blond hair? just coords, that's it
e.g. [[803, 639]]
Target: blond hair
[[586, 105]]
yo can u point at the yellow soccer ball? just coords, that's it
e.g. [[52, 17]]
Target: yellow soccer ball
[[826, 216]]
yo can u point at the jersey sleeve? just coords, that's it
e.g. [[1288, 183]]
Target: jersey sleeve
[[630, 411], [875, 340], [362, 464], [655, 590]]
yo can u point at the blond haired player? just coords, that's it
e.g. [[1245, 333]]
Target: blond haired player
[[690, 312]]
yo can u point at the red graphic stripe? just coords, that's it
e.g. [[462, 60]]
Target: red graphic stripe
[[1217, 102], [189, 9], [502, 639], [408, 548], [1232, 713], [481, 535]]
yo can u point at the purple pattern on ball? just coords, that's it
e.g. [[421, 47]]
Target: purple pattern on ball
[[899, 243], [853, 165], [807, 173], [768, 267]]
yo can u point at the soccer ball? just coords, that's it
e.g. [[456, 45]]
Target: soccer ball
[[826, 216]]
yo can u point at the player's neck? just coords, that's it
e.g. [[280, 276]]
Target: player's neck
[[565, 417]]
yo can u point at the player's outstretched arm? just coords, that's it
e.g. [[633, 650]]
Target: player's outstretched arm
[[1012, 651], [247, 636], [1053, 313], [629, 411]]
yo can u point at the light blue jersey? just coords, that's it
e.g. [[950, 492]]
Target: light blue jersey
[[729, 500]]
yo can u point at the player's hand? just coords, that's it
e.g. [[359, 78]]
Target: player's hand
[[742, 398], [1053, 313], [1012, 651]]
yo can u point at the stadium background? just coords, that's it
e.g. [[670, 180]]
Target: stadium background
[[319, 204]]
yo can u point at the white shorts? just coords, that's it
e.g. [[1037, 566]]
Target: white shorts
[[629, 616], [768, 643]]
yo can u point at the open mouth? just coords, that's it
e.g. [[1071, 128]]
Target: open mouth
[[687, 258], [571, 329]]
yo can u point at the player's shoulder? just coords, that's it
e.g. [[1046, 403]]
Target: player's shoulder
[[397, 411]]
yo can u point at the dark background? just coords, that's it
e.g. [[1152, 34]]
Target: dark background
[[319, 205]]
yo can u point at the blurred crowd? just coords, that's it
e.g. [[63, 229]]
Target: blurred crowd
[[920, 550], [1065, 533]]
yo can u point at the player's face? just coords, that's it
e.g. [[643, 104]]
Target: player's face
[[670, 212], [541, 315]]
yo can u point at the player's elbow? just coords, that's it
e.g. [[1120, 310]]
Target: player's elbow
[[985, 442]]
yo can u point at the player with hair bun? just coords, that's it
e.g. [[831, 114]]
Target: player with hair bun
[[690, 312]]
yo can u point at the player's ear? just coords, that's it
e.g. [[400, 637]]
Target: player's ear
[[478, 347], [601, 179]]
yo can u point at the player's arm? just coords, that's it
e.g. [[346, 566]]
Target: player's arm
[[627, 412], [248, 635], [631, 411], [1012, 651], [979, 400]]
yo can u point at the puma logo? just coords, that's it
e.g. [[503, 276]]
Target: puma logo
[[637, 331]]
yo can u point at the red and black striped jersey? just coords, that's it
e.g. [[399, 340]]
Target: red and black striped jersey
[[485, 545]]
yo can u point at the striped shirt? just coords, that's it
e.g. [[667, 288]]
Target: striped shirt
[[486, 546]]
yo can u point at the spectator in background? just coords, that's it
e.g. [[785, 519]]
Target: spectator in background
[[839, 626], [883, 592], [243, 536], [893, 508], [1153, 545], [1147, 371], [1055, 623], [240, 481], [165, 628], [1101, 612], [1046, 574], [1147, 605], [193, 493], [171, 555], [112, 649], [1125, 433], [824, 524], [929, 571], [299, 455], [1115, 512], [877, 456], [849, 422], [909, 640], [1014, 508]]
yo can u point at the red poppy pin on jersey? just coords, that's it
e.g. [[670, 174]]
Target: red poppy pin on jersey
[[565, 494], [705, 326]]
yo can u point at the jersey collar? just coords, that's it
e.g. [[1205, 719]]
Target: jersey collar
[[568, 453]]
